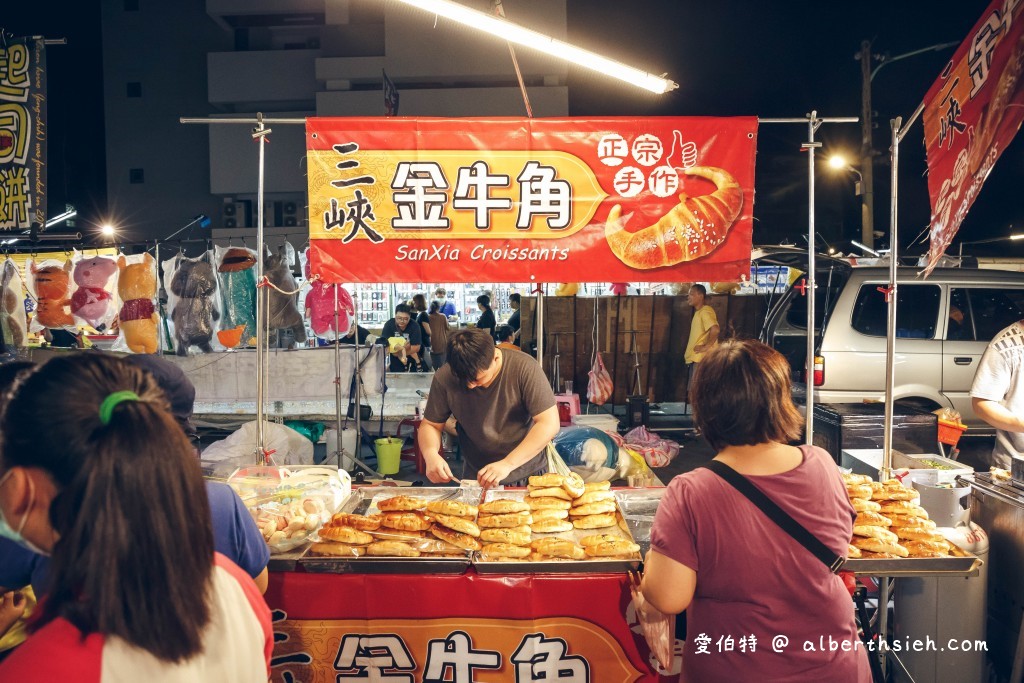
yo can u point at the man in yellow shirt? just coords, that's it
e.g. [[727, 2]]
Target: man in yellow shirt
[[703, 330]]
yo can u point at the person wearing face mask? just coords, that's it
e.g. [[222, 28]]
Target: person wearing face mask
[[96, 474], [504, 407], [235, 534]]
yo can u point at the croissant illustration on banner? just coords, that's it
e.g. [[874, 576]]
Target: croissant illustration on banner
[[693, 228]]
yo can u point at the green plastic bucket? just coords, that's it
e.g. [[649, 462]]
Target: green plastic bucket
[[389, 455]]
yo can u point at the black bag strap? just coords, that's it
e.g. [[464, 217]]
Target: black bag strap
[[792, 527]]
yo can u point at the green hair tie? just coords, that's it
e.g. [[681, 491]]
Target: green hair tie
[[111, 401]]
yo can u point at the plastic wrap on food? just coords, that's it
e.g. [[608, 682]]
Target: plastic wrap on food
[[589, 452], [49, 283], [289, 504], [193, 301], [137, 317], [638, 507], [13, 321], [95, 279], [236, 272]]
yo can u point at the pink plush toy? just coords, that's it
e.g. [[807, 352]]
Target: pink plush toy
[[320, 308], [92, 302]]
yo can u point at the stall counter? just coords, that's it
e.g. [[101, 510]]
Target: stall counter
[[457, 628]]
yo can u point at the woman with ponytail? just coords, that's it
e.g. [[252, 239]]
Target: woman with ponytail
[[95, 472]]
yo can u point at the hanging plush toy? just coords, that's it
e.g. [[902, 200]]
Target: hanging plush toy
[[51, 286], [93, 301], [567, 289], [284, 313], [320, 307], [237, 275], [12, 306], [195, 285], [136, 287]]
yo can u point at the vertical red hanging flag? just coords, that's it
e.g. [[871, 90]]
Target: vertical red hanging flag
[[971, 113]]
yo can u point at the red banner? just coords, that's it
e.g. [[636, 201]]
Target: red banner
[[971, 114], [577, 629], [515, 200]]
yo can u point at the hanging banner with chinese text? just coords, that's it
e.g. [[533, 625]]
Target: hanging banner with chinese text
[[22, 133], [971, 113], [458, 629], [515, 200]]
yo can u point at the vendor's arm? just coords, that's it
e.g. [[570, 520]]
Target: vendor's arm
[[997, 415], [428, 438], [711, 339], [667, 585], [545, 427]]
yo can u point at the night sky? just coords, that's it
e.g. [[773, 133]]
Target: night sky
[[730, 57]]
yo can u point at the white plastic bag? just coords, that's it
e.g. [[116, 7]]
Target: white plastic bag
[[13, 321], [239, 448], [95, 281]]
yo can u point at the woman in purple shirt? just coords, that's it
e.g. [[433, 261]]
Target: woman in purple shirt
[[760, 607]]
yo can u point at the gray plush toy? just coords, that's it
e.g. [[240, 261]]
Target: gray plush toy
[[194, 283], [284, 312]]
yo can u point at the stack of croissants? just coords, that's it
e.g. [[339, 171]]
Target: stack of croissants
[[500, 529], [890, 523]]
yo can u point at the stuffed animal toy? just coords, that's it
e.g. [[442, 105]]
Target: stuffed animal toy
[[92, 303], [51, 284], [195, 284], [12, 306], [237, 275], [284, 313], [320, 308], [136, 286]]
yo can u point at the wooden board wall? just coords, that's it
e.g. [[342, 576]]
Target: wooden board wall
[[661, 325]]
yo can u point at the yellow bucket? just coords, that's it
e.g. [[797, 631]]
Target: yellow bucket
[[389, 455]]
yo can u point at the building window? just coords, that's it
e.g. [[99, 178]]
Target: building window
[[136, 176], [134, 89], [131, 5]]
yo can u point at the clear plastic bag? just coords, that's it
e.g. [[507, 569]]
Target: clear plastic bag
[[320, 307], [13, 320], [193, 302], [93, 301], [288, 447], [599, 386], [658, 628], [289, 504], [137, 318], [236, 273], [657, 452], [589, 452], [49, 283]]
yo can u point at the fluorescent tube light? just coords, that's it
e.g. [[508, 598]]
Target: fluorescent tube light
[[519, 35]]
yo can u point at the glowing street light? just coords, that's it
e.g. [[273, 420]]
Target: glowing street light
[[519, 35], [108, 230]]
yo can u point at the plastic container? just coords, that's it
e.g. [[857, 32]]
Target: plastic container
[[949, 432], [606, 423], [389, 455]]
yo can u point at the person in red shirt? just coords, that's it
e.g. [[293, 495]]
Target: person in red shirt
[[96, 473], [748, 586]]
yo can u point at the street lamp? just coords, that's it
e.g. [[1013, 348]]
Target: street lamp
[[1008, 238], [867, 149], [840, 163]]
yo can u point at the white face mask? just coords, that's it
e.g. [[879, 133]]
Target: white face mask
[[15, 534]]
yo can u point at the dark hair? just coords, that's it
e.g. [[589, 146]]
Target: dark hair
[[700, 288], [134, 557], [514, 298], [403, 308], [440, 290], [741, 396], [470, 352], [419, 302], [503, 332], [434, 307], [11, 374], [484, 300], [172, 380]]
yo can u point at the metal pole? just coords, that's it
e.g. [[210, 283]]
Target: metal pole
[[159, 308], [337, 374], [867, 150], [259, 134], [810, 147], [540, 325], [890, 341]]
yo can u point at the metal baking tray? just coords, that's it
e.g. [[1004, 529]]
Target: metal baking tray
[[555, 566], [364, 501], [962, 563]]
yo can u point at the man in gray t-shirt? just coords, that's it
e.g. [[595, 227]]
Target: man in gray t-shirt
[[504, 407], [997, 394]]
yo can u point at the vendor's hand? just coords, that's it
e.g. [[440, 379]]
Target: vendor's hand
[[437, 469], [491, 476], [12, 606]]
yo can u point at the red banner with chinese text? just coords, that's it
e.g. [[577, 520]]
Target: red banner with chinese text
[[458, 628], [515, 200], [971, 114]]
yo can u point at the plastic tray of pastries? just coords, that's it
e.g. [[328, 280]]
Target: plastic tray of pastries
[[413, 550], [603, 544]]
